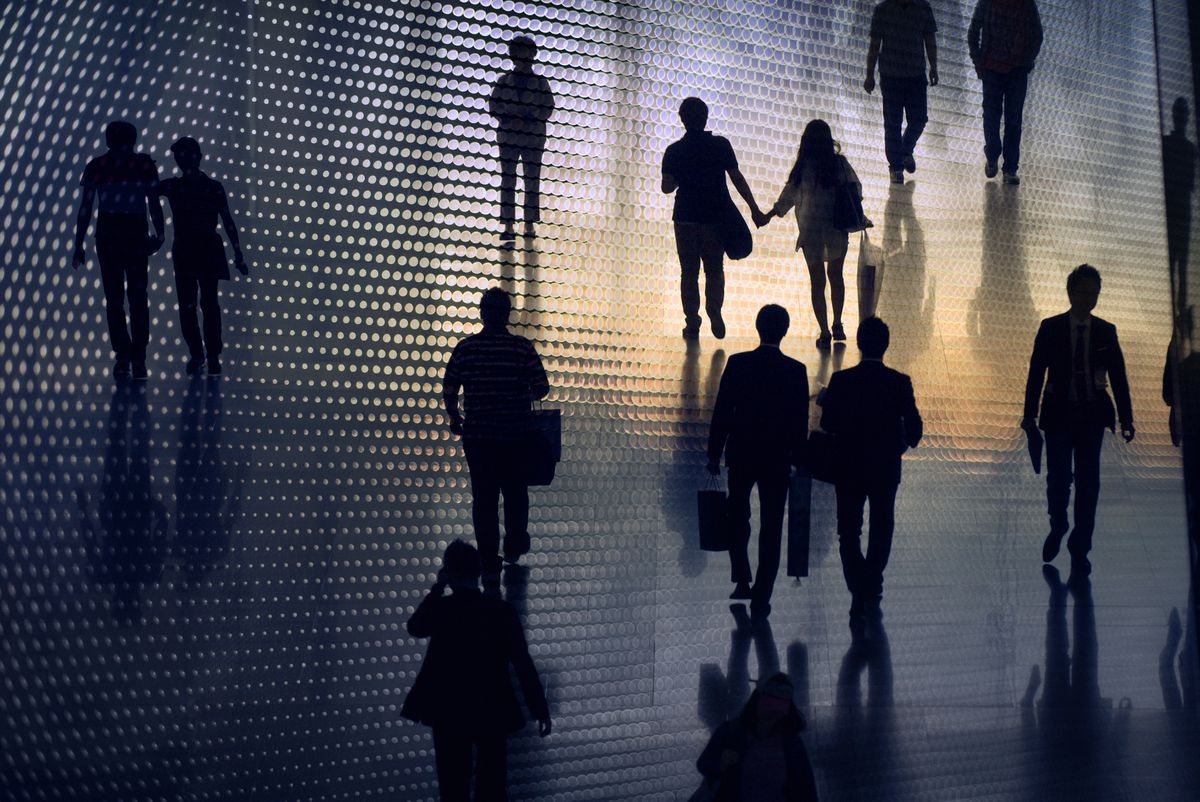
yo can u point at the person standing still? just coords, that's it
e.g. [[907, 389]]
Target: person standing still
[[902, 38], [521, 102], [1004, 39], [501, 375], [126, 184], [694, 168]]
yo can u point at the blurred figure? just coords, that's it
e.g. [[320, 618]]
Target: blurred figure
[[464, 690], [1179, 179], [197, 253], [902, 37], [1004, 39], [126, 184], [521, 102], [696, 166], [1074, 356], [872, 414], [812, 187], [501, 375], [760, 423], [760, 756]]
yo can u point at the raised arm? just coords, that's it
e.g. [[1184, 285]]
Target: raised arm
[[87, 200], [423, 622]]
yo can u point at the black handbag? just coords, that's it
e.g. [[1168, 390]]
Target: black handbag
[[711, 518], [736, 239], [848, 212], [822, 456], [544, 447]]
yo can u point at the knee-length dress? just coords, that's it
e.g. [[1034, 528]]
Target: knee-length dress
[[814, 206]]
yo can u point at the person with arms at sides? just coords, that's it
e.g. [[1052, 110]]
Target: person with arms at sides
[[521, 102], [694, 168], [464, 690], [197, 253], [872, 414], [902, 37], [1004, 39], [500, 375], [126, 184], [760, 424], [1075, 356]]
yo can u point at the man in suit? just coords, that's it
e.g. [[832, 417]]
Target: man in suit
[[1074, 356], [759, 422], [463, 690], [872, 414]]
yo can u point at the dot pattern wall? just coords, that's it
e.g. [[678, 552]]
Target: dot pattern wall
[[204, 584]]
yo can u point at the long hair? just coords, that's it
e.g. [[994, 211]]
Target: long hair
[[818, 152], [790, 724]]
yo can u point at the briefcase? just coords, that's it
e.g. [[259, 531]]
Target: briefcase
[[799, 522], [822, 456], [713, 522], [544, 447]]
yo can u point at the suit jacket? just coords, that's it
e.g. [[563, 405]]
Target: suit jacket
[[871, 411], [464, 682], [760, 418], [1050, 370]]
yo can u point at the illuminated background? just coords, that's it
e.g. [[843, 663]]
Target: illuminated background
[[242, 638]]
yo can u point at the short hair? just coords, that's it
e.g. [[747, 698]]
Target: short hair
[[462, 560], [772, 323], [120, 133], [1084, 272], [186, 144], [495, 305], [522, 44], [874, 337], [694, 113]]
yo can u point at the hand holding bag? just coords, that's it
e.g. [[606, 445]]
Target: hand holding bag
[[870, 276], [544, 447], [711, 516]]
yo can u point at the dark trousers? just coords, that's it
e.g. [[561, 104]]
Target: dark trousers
[[453, 755], [124, 268], [189, 290], [772, 498], [525, 149], [1077, 446], [498, 468], [700, 244], [903, 98], [1004, 96], [864, 574]]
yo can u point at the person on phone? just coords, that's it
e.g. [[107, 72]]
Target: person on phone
[[464, 690], [197, 253], [126, 185]]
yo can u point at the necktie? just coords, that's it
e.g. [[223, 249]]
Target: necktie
[[1080, 366]]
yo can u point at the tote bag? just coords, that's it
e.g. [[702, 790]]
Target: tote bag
[[544, 448], [870, 276]]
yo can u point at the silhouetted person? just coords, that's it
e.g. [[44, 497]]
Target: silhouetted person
[[1179, 182], [872, 414], [902, 37], [1075, 355], [759, 422], [1004, 39], [812, 187], [521, 102], [125, 183], [694, 168], [501, 375], [197, 253], [464, 689]]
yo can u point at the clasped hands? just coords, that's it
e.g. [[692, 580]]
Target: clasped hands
[[760, 217]]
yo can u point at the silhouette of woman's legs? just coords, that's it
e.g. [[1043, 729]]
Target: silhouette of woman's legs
[[816, 274], [837, 288], [452, 755], [491, 768]]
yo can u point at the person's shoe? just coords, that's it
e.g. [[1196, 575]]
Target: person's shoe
[[991, 168], [214, 366], [1012, 179], [741, 591], [508, 234], [759, 609], [717, 324], [910, 164], [839, 333], [897, 176], [1081, 567], [194, 365], [825, 341], [121, 368], [530, 231], [691, 332], [139, 372], [1051, 545]]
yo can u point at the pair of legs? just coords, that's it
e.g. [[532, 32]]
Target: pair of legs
[[498, 468], [903, 99], [864, 573], [525, 148], [823, 261], [192, 291], [124, 271], [1004, 96], [453, 753], [700, 244], [1077, 447], [772, 482]]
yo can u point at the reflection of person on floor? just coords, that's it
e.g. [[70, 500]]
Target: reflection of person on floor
[[1004, 39], [759, 422], [812, 188], [902, 37], [1075, 355], [126, 184], [464, 690], [197, 253], [521, 102], [1179, 179], [694, 168], [500, 375], [760, 755], [872, 414]]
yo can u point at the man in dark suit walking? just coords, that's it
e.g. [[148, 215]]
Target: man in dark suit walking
[[463, 690], [760, 422], [1074, 357], [872, 414]]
